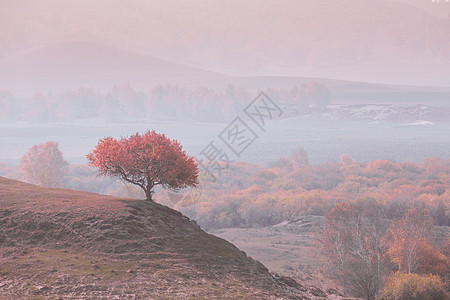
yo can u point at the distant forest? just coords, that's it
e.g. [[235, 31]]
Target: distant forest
[[168, 102], [249, 196]]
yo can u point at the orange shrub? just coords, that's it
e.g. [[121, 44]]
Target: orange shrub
[[413, 287]]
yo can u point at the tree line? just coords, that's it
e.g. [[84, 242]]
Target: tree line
[[164, 102], [250, 195]]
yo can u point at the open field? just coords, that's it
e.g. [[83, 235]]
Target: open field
[[324, 140], [285, 248]]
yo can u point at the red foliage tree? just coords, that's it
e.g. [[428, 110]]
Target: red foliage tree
[[145, 160]]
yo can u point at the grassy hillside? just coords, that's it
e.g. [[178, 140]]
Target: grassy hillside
[[62, 243]]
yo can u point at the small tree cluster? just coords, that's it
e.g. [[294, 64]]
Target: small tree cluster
[[410, 237], [352, 243], [360, 247]]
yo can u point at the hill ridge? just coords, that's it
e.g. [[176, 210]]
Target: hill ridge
[[164, 253]]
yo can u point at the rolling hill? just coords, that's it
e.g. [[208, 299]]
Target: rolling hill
[[89, 63], [387, 41], [63, 243]]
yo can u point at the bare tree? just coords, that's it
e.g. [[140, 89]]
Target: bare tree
[[352, 244]]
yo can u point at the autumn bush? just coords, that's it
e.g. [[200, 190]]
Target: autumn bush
[[298, 188], [402, 286]]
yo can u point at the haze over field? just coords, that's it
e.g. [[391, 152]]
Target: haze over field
[[83, 62], [320, 129]]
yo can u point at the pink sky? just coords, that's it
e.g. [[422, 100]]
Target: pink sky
[[406, 42]]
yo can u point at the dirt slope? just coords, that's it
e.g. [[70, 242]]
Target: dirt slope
[[56, 243]]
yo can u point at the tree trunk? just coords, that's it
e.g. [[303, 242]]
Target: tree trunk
[[148, 194]]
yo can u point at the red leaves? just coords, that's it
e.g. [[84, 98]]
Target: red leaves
[[145, 160]]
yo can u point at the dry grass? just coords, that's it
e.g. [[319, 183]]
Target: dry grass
[[286, 251], [15, 194], [61, 243]]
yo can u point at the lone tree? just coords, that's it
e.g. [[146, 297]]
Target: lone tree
[[145, 160], [44, 165]]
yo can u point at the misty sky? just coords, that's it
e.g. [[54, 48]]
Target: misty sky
[[404, 42], [68, 66]]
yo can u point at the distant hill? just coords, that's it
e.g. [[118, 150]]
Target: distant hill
[[63, 243], [388, 41], [354, 92], [86, 63]]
